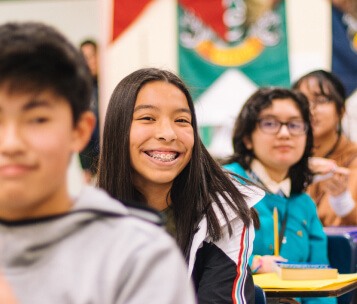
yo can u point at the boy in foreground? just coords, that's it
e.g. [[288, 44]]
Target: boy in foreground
[[55, 248]]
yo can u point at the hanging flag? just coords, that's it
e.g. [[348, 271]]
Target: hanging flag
[[344, 48], [124, 13], [222, 35], [136, 46], [237, 41]]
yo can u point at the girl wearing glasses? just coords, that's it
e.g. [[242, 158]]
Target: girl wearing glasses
[[272, 140], [336, 195]]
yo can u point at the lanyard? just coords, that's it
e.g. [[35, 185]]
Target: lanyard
[[256, 179]]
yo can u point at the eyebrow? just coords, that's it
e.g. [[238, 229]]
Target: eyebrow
[[276, 117], [142, 107], [37, 103], [34, 104]]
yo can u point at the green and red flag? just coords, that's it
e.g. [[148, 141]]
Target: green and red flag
[[232, 41]]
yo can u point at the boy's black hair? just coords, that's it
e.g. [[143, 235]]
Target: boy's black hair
[[36, 57]]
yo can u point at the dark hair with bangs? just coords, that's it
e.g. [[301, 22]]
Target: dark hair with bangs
[[329, 85], [246, 123], [193, 191], [36, 57]]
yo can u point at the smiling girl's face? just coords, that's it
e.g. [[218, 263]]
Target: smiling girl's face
[[161, 136]]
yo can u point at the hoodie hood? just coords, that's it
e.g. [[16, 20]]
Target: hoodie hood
[[23, 242]]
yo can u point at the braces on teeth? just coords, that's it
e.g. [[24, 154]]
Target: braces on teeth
[[164, 157]]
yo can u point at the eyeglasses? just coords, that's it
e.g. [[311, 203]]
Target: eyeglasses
[[273, 126]]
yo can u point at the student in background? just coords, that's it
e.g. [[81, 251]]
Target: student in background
[[152, 154], [56, 248], [336, 195], [272, 140], [90, 155]]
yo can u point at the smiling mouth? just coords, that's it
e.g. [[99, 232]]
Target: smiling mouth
[[163, 156]]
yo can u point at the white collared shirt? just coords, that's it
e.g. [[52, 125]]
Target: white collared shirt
[[259, 170]]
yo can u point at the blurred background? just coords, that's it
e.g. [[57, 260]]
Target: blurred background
[[223, 49]]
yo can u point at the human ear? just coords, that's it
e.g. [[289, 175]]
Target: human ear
[[247, 142], [83, 130]]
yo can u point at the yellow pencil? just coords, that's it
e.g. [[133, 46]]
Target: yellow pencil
[[276, 231]]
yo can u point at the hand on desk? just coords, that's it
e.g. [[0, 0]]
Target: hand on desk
[[266, 263]]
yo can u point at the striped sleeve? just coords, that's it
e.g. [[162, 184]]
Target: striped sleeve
[[241, 291], [221, 273]]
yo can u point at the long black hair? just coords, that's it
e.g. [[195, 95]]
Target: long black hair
[[201, 183], [246, 123]]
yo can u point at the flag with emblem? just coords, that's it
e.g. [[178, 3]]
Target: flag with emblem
[[226, 50]]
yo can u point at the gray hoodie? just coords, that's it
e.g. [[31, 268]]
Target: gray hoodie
[[97, 253]]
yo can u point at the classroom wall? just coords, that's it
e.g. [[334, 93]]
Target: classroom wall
[[77, 19], [149, 41], [152, 40]]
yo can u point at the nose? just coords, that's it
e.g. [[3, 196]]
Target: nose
[[284, 131], [166, 131], [11, 142]]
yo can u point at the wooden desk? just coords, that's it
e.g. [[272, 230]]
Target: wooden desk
[[328, 291], [277, 290]]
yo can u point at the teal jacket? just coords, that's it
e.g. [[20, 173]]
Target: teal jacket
[[304, 239]]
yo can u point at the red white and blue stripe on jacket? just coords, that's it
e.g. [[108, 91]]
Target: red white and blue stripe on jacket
[[220, 269]]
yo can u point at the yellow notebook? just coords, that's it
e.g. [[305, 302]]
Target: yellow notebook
[[307, 274], [305, 271], [272, 280]]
